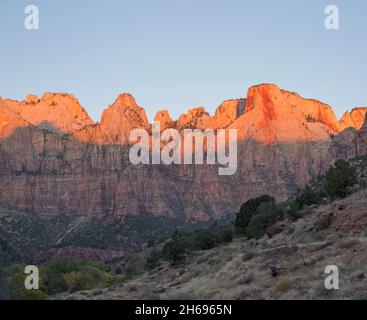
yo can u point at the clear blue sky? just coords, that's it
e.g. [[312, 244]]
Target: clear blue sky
[[179, 54]]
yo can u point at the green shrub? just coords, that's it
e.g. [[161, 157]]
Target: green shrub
[[247, 211], [205, 239], [283, 285], [174, 250], [267, 214], [199, 239], [57, 276], [53, 273], [246, 280], [77, 281], [308, 197], [154, 260], [33, 295], [133, 265], [14, 285], [294, 212], [338, 178]]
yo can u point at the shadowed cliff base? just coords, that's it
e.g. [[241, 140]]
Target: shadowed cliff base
[[51, 174]]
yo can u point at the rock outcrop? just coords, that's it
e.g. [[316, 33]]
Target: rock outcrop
[[361, 140], [76, 167], [353, 119], [228, 112], [121, 117], [164, 119], [54, 111]]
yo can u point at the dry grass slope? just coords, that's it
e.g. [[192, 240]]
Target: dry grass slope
[[241, 270]]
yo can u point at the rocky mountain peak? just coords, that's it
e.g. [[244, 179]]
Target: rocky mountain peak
[[121, 117], [31, 99], [58, 111], [196, 118], [228, 112], [164, 118], [275, 102], [125, 100], [354, 119]]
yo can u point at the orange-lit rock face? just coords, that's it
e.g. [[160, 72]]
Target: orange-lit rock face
[[164, 119], [285, 140], [196, 118], [228, 112], [9, 121], [121, 117], [353, 119], [274, 115], [53, 111]]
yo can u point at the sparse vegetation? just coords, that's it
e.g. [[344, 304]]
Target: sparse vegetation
[[322, 223], [256, 215], [154, 260], [283, 284], [246, 280], [336, 183], [339, 178], [248, 256], [61, 275], [247, 211], [267, 214], [200, 239]]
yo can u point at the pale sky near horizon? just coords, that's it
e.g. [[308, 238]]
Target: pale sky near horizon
[[177, 55]]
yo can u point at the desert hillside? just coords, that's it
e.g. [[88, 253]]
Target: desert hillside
[[242, 269]]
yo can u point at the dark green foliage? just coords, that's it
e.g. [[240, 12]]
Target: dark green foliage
[[199, 239], [54, 274], [57, 276], [174, 250], [256, 215], [133, 265], [65, 274], [247, 211], [267, 214], [338, 178], [335, 183], [206, 239], [293, 212], [308, 197], [150, 243], [154, 260]]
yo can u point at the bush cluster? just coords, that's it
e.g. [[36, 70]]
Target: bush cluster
[[336, 183], [57, 276], [256, 215], [182, 242]]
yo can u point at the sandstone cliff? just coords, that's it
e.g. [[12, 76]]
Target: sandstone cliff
[[75, 167], [354, 119]]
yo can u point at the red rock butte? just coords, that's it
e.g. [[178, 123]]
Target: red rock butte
[[268, 114], [54, 159]]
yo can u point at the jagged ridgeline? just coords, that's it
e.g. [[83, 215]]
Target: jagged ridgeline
[[67, 181]]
